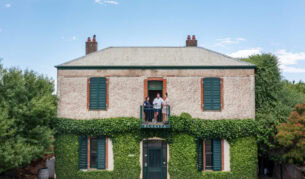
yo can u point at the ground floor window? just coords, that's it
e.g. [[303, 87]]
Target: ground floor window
[[92, 152], [210, 154]]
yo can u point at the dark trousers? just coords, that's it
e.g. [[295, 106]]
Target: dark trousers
[[148, 115]]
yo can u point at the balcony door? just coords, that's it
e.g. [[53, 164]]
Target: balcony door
[[154, 87], [154, 159]]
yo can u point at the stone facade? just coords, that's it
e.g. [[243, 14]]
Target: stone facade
[[126, 92]]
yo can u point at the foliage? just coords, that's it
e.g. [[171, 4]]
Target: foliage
[[291, 136], [227, 129], [274, 101], [243, 153], [66, 150], [299, 86], [183, 148], [27, 106], [267, 79]]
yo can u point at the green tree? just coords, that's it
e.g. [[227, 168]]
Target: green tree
[[27, 107], [274, 102], [291, 137]]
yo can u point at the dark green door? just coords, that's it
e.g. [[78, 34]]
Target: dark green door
[[154, 159]]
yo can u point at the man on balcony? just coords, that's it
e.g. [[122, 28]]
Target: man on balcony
[[157, 107]]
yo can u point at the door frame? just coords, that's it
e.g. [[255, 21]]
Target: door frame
[[142, 154], [164, 89]]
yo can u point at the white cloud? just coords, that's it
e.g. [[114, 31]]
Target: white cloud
[[286, 59], [74, 38], [106, 2], [289, 69], [8, 5], [228, 41], [290, 58], [246, 53], [111, 2]]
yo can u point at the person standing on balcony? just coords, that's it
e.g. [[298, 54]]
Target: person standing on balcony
[[165, 108], [157, 106], [147, 109]]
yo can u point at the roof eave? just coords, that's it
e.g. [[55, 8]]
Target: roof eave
[[66, 67]]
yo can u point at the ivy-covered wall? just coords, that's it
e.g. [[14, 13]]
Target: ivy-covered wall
[[126, 136], [182, 163]]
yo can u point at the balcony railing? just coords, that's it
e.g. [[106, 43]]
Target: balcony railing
[[149, 120]]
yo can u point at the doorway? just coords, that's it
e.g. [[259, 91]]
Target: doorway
[[154, 159], [155, 87]]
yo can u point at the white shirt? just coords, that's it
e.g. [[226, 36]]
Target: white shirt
[[157, 103]]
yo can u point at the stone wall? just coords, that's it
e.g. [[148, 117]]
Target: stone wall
[[126, 92]]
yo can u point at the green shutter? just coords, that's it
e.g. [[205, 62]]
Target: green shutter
[[211, 94], [217, 154], [101, 153], [97, 93], [83, 152], [199, 154]]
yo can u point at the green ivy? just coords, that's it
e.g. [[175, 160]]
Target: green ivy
[[243, 153], [226, 129], [66, 151], [126, 136]]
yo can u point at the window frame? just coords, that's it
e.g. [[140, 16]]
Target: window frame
[[221, 94], [204, 155], [89, 154], [155, 79], [107, 94]]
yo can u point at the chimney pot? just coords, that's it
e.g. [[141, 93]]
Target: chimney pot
[[91, 46], [191, 42]]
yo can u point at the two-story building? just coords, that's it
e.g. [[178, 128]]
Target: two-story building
[[115, 81]]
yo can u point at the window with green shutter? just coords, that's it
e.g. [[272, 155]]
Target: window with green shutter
[[96, 153], [216, 154], [98, 93], [199, 154], [209, 155], [83, 152], [211, 94], [101, 153]]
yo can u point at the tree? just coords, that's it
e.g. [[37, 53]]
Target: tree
[[291, 137], [274, 102], [27, 107]]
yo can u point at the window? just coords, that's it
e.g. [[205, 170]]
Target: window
[[212, 94], [210, 154], [92, 152], [97, 93]]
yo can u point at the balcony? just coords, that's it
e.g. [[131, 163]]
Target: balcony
[[147, 118]]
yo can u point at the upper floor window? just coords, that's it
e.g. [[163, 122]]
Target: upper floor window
[[212, 94], [97, 93]]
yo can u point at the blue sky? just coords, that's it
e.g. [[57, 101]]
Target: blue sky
[[39, 34]]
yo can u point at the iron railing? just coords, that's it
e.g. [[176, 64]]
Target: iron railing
[[150, 119]]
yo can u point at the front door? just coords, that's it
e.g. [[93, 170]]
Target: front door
[[154, 159]]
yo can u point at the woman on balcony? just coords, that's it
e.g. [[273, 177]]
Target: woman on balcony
[[147, 110], [165, 109]]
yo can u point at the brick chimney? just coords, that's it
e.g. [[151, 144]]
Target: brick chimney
[[91, 46], [191, 42]]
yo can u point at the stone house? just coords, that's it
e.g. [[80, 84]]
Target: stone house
[[115, 81]]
